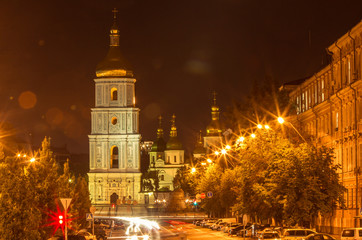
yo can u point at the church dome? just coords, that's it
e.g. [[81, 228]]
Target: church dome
[[214, 129], [173, 144], [199, 147], [159, 145], [114, 65]]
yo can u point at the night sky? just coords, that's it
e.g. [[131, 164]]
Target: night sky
[[180, 51]]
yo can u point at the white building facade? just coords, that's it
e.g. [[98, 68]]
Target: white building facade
[[114, 142]]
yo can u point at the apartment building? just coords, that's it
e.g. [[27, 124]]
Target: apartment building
[[329, 109]]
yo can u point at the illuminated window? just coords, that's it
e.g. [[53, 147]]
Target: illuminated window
[[114, 95], [114, 121], [114, 157]]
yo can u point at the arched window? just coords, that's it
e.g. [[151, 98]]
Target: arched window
[[114, 95], [114, 157]]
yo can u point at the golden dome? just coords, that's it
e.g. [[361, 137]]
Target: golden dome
[[114, 65]]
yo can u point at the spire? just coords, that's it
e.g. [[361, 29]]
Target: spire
[[173, 143], [199, 146], [200, 138], [214, 127], [114, 33], [214, 109], [114, 65], [159, 130], [173, 131]]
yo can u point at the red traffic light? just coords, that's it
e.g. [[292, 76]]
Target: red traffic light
[[113, 205], [61, 221]]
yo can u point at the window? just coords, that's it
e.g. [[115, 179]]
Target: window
[[114, 121], [349, 71], [322, 89], [336, 121], [114, 157], [162, 178], [168, 159], [114, 94], [174, 158]]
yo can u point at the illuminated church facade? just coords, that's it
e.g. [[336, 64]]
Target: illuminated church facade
[[114, 142]]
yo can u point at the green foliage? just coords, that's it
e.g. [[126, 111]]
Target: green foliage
[[270, 177], [29, 190], [80, 204]]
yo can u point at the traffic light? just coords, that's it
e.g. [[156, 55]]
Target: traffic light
[[113, 205], [61, 221]]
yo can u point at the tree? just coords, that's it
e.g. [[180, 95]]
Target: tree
[[30, 191], [80, 204], [286, 181]]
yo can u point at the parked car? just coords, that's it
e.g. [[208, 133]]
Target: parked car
[[219, 226], [228, 227], [215, 224], [297, 234], [269, 235], [235, 230], [209, 223], [319, 236], [246, 232], [351, 234], [87, 235]]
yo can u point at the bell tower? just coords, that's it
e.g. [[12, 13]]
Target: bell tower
[[114, 142]]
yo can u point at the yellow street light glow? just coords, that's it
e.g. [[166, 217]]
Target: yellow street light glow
[[164, 200], [260, 126], [241, 139], [24, 155], [228, 147], [32, 160], [253, 135], [19, 155], [204, 163], [209, 160], [280, 120], [223, 151], [70, 180], [217, 153], [266, 127], [193, 170]]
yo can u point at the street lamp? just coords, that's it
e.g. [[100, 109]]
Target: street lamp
[[281, 120]]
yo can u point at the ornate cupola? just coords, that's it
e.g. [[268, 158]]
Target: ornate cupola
[[173, 143], [214, 129], [199, 147], [114, 65], [159, 145]]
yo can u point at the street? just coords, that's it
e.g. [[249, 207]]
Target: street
[[181, 232]]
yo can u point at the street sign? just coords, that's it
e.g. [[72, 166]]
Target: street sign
[[89, 217], [209, 194], [92, 209], [202, 195], [65, 202]]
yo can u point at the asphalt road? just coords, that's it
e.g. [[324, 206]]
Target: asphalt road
[[195, 232]]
